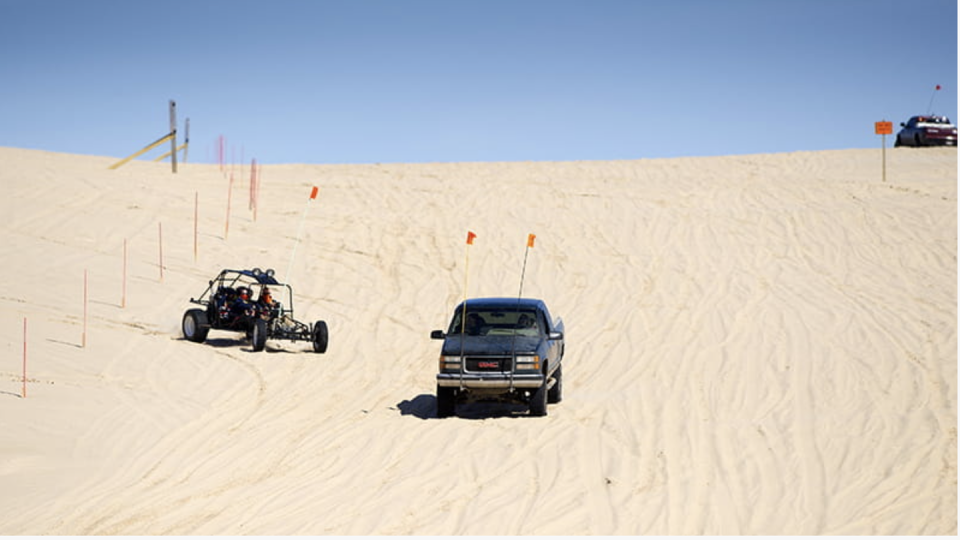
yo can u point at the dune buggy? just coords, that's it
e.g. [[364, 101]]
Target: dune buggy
[[252, 302]]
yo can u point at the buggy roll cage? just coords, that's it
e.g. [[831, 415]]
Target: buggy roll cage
[[229, 280]]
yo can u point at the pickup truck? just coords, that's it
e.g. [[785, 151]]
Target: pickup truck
[[500, 349]]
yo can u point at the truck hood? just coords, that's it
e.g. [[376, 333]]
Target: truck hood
[[489, 345]]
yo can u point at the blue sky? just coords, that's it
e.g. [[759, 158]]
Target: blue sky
[[385, 81]]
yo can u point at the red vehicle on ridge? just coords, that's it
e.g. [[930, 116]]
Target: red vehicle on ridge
[[930, 130]]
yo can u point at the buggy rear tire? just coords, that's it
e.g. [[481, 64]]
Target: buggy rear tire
[[195, 325], [320, 337], [259, 337]]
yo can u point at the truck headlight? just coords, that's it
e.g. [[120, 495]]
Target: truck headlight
[[448, 363], [528, 363]]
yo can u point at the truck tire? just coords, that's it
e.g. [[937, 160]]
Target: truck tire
[[538, 401], [320, 337], [195, 325], [259, 335], [446, 402], [555, 395]]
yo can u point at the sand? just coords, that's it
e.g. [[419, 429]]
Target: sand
[[757, 344]]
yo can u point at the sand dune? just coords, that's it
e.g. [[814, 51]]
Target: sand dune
[[762, 344]]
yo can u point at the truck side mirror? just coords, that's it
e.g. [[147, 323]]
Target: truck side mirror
[[555, 335], [436, 334]]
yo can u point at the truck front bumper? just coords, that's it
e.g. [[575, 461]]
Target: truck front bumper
[[476, 380]]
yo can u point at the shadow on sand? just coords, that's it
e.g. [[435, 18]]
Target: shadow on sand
[[424, 407]]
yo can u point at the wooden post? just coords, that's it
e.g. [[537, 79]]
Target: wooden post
[[253, 185], [883, 128], [884, 157], [173, 133], [142, 151]]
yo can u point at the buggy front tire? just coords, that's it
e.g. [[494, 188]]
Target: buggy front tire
[[320, 337], [259, 337], [195, 325]]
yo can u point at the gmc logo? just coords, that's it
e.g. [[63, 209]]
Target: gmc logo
[[493, 365]]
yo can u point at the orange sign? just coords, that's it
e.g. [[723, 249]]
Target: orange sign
[[884, 128]]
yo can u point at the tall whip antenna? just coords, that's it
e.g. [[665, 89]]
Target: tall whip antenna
[[930, 105], [313, 196], [530, 239], [466, 278]]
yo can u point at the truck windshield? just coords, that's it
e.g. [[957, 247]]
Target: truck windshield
[[482, 322]]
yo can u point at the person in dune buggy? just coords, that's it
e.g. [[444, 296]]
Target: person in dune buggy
[[243, 311], [266, 302]]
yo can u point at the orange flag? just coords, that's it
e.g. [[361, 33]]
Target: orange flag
[[530, 238], [470, 237], [313, 194]]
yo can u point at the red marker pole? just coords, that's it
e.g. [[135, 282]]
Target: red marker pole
[[256, 194], [255, 173], [123, 299], [226, 228], [160, 243], [24, 357], [196, 212], [83, 342]]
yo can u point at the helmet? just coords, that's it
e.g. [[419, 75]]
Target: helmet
[[244, 292]]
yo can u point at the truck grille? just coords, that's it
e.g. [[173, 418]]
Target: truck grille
[[489, 363]]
